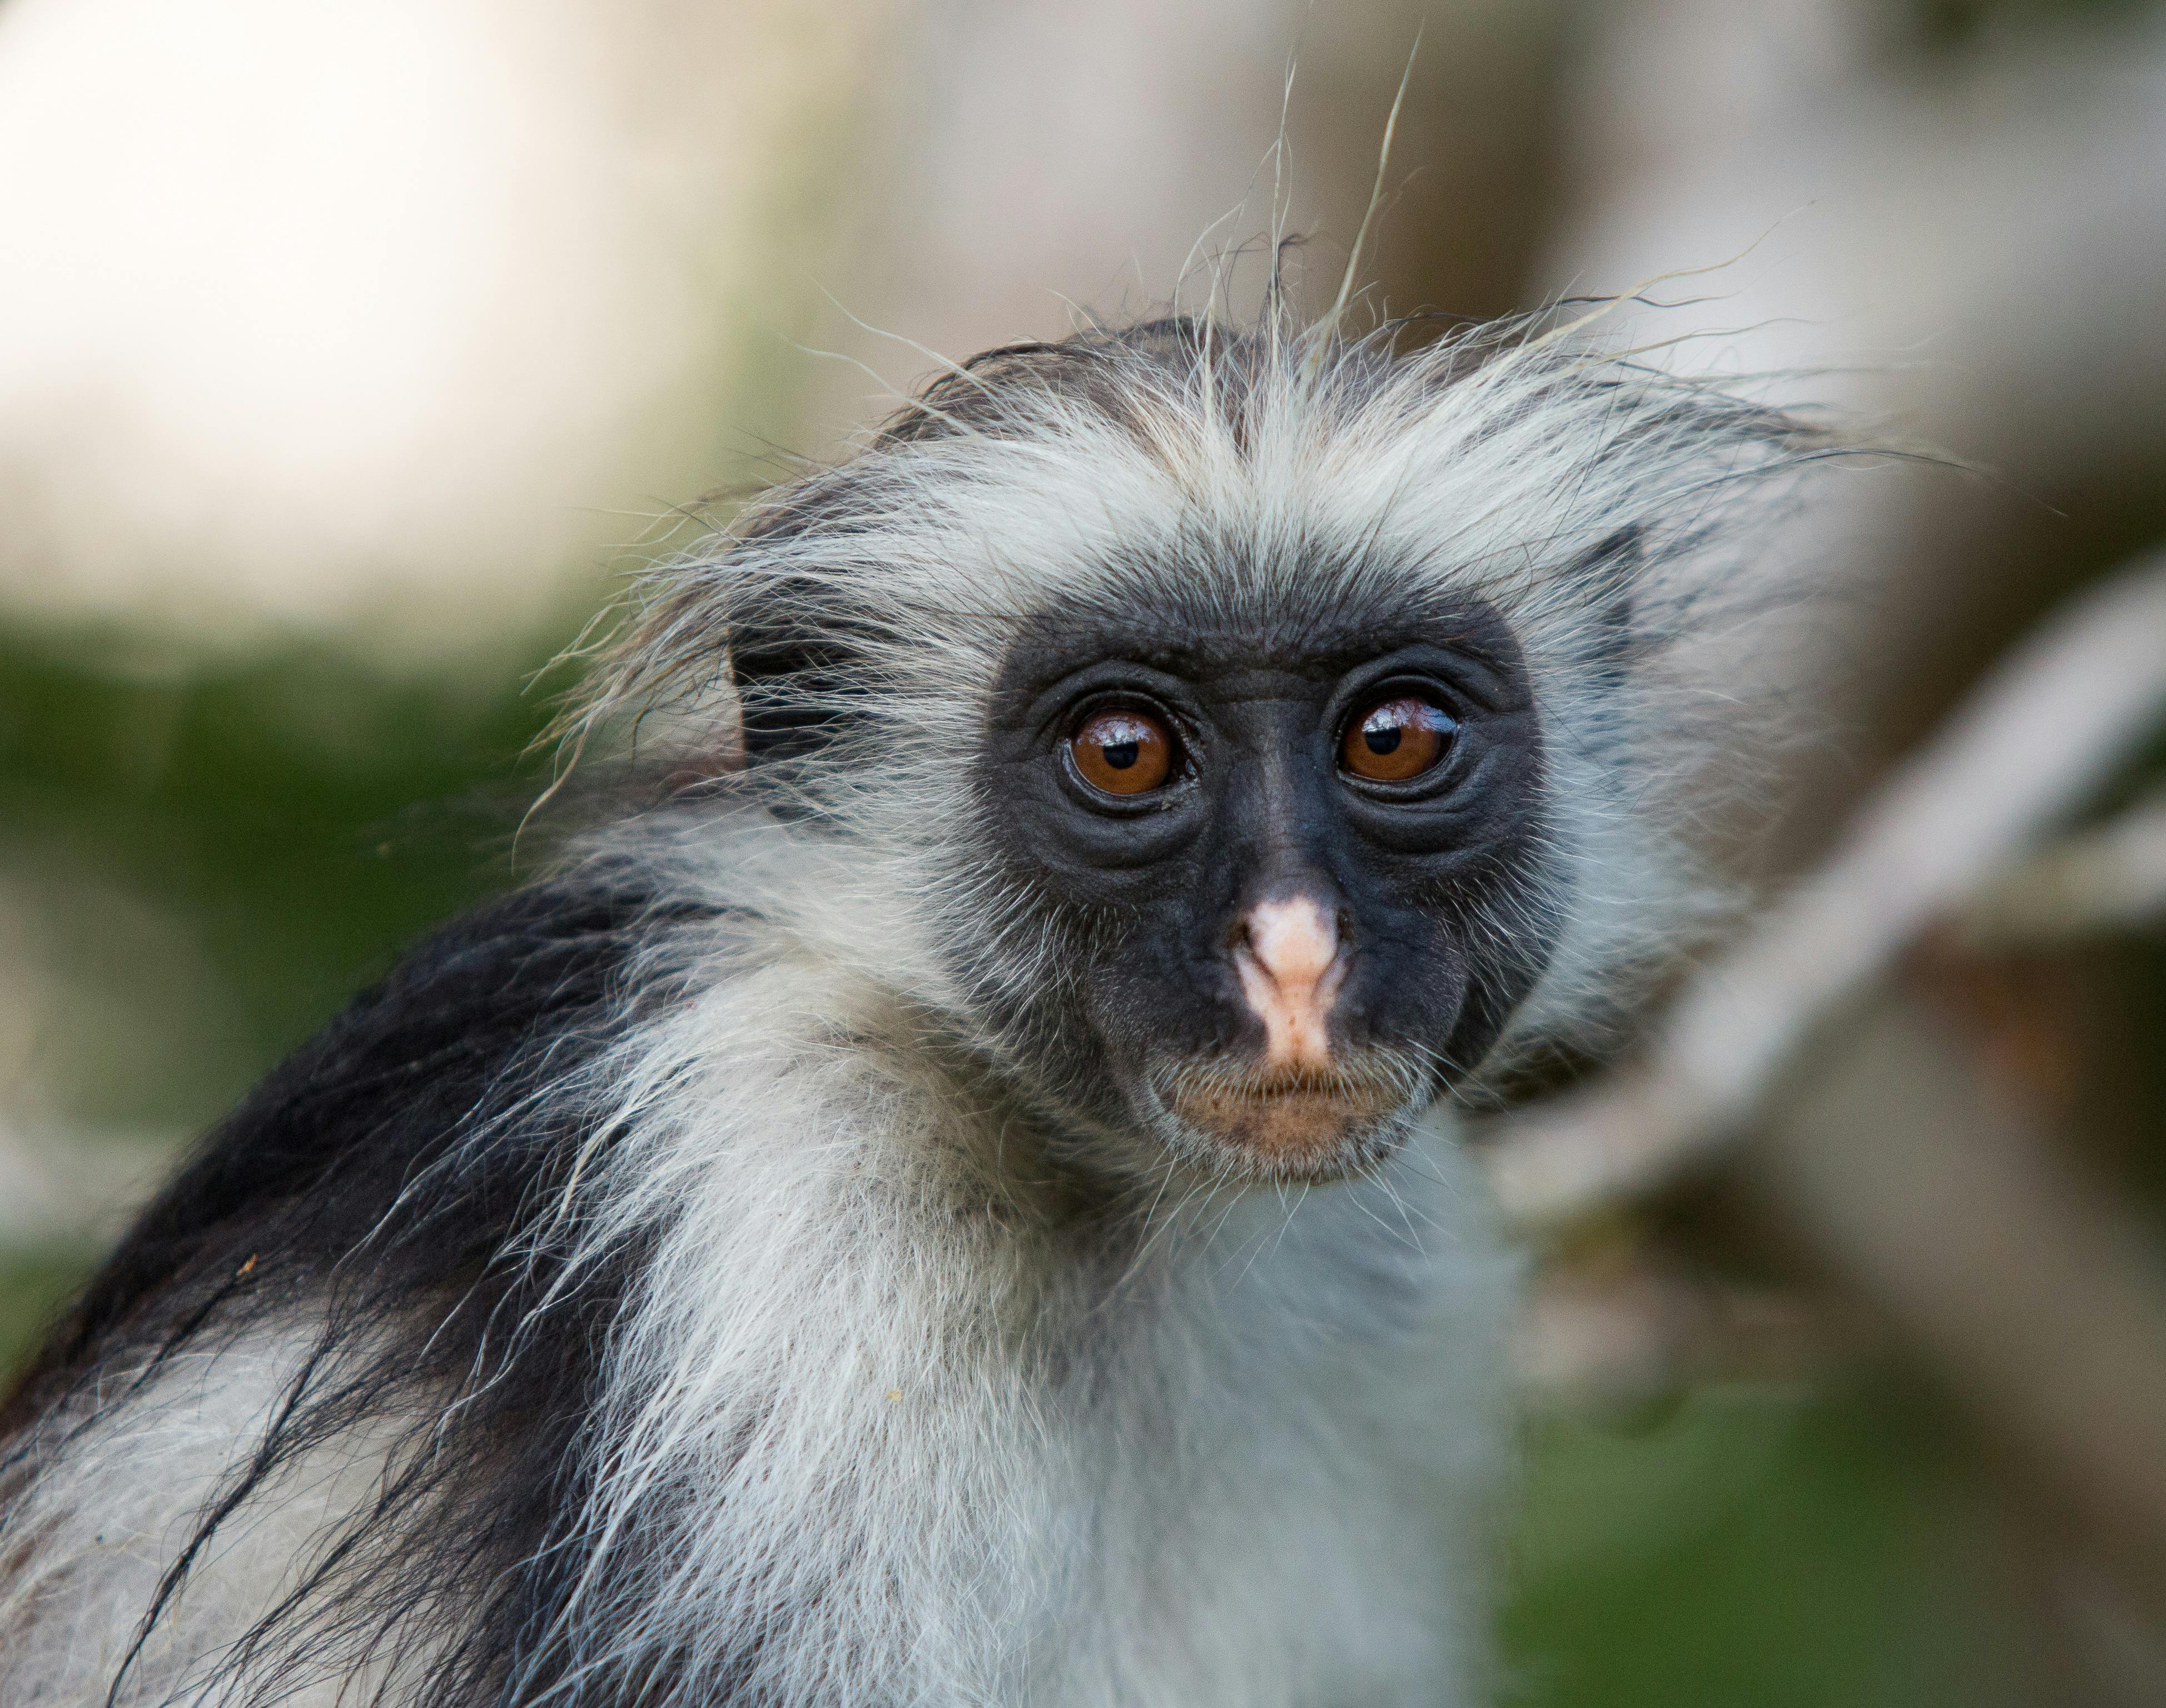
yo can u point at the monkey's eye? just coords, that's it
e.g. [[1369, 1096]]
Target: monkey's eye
[[1121, 752], [1396, 739]]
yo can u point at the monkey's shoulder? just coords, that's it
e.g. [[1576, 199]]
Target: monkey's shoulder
[[413, 1122]]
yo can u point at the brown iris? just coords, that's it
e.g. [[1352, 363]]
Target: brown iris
[[1121, 752], [1396, 739]]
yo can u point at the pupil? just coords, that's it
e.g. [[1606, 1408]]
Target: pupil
[[1381, 741], [1121, 755]]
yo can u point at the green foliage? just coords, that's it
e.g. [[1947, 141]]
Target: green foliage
[[33, 1285], [1759, 1550], [1957, 23], [299, 817]]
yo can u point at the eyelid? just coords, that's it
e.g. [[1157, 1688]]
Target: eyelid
[[1052, 709], [1360, 700], [1467, 681]]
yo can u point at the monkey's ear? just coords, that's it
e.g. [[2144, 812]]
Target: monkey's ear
[[1608, 575], [797, 660]]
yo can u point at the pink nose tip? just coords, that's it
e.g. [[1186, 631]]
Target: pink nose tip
[[1290, 968]]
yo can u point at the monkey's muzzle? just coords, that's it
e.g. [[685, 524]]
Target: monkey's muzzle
[[1291, 1123]]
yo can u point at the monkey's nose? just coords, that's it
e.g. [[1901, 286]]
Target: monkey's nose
[[1287, 956]]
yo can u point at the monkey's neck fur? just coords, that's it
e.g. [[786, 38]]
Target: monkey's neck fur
[[1017, 1383]]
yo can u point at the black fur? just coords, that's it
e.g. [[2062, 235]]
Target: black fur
[[388, 1170]]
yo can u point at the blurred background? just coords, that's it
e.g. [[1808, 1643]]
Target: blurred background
[[349, 353]]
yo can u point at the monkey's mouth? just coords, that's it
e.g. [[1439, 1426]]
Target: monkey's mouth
[[1291, 1123]]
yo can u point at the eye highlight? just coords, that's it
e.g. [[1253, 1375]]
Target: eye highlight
[[1396, 739], [1121, 752]]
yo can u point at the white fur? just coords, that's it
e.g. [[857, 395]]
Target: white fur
[[1233, 1474], [89, 1541]]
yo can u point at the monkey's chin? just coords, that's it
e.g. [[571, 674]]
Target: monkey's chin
[[1289, 1127]]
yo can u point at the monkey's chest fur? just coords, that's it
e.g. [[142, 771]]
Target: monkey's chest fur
[[719, 1372]]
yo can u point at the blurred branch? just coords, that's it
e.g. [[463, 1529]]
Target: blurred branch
[[2026, 1284], [1620, 1342], [2110, 879], [2047, 728]]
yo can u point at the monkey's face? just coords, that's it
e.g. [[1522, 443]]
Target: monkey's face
[[1236, 732], [1287, 872]]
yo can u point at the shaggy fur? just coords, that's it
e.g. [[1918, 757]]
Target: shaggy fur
[[705, 1277]]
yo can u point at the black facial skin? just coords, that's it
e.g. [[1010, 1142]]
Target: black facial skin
[[1147, 893]]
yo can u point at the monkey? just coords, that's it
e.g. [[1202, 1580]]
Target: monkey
[[951, 1188]]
